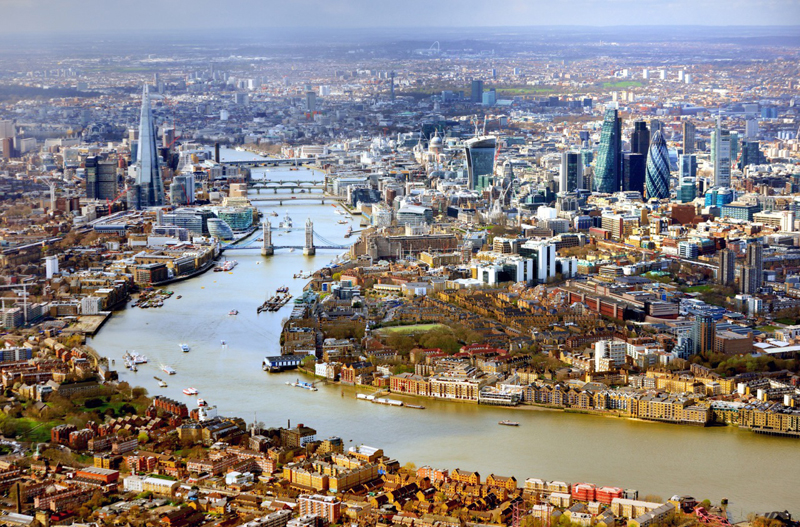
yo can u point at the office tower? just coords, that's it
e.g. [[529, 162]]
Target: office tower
[[687, 166], [570, 176], [489, 97], [476, 95], [607, 169], [656, 126], [640, 138], [181, 191], [751, 154], [703, 333], [7, 146], [391, 86], [727, 267], [645, 74], [241, 99], [657, 172], [6, 129], [751, 129], [311, 101], [633, 172], [480, 161], [687, 190], [721, 157], [753, 270], [148, 190], [689, 132], [101, 179]]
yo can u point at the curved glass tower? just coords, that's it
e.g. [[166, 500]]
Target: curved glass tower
[[607, 168], [657, 173]]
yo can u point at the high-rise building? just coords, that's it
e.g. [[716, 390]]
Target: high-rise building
[[609, 162], [480, 153], [181, 191], [311, 101], [721, 157], [656, 126], [657, 172], [101, 179], [570, 175], [751, 129], [689, 132], [640, 138], [688, 166], [727, 267], [6, 129], [751, 154], [703, 333], [753, 270], [633, 172], [148, 190], [476, 95]]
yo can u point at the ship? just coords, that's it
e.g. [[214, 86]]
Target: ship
[[166, 369], [300, 384], [508, 423], [286, 223], [233, 312], [342, 222], [184, 348], [349, 232], [190, 391], [201, 403]]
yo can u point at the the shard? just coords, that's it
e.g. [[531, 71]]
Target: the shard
[[148, 190]]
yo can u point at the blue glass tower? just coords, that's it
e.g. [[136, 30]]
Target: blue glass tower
[[609, 162], [148, 191], [657, 173], [480, 152]]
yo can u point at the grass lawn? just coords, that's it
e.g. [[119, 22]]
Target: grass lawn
[[767, 329], [622, 84], [412, 329], [26, 432], [698, 289], [785, 321]]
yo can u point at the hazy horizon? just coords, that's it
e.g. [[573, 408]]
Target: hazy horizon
[[65, 16]]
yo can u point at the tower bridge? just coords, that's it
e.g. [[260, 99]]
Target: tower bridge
[[313, 241]]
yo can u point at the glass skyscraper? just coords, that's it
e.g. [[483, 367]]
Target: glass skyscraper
[[633, 172], [721, 155], [657, 173], [148, 191], [607, 168], [570, 172], [480, 153], [640, 138]]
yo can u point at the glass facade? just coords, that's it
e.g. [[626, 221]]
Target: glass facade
[[480, 153], [633, 171], [219, 229], [607, 169], [657, 173], [237, 218]]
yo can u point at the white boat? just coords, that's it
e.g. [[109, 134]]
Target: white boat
[[190, 391], [166, 369], [184, 348], [233, 312], [162, 384], [202, 402], [135, 358]]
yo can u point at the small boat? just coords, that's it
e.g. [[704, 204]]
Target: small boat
[[134, 368], [508, 423], [342, 222], [233, 312], [184, 348], [202, 402], [223, 342], [162, 384], [166, 369], [415, 406], [179, 297], [190, 391]]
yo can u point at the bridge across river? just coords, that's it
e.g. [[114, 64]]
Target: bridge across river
[[267, 247]]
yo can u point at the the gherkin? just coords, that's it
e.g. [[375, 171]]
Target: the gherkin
[[657, 173]]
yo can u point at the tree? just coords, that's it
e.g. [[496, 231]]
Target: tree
[[143, 438]]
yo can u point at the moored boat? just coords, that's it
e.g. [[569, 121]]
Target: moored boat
[[508, 423], [184, 347], [166, 369], [190, 391]]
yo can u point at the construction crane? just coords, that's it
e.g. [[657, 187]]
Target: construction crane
[[24, 287]]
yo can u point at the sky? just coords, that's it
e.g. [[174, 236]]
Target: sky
[[64, 16]]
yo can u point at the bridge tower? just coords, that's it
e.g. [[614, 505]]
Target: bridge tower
[[266, 245], [308, 248]]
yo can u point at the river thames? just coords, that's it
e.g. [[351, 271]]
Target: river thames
[[756, 473]]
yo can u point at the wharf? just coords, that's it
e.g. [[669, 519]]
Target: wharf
[[88, 324]]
